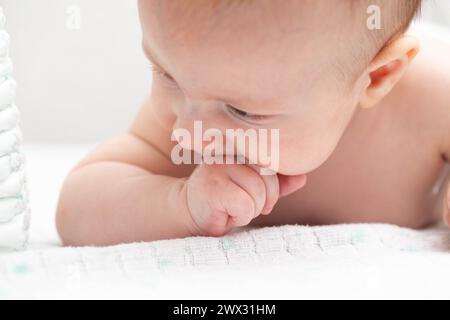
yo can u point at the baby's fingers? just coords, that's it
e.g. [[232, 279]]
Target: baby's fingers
[[238, 204], [272, 189], [290, 184], [251, 183]]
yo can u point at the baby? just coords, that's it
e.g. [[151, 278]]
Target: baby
[[364, 134]]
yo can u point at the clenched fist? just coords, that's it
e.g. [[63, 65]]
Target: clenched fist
[[220, 197]]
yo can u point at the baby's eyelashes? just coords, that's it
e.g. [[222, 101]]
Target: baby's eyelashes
[[235, 112], [245, 115], [161, 73]]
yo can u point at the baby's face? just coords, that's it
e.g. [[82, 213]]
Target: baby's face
[[256, 64]]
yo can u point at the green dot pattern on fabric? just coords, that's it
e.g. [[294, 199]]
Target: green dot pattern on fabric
[[358, 236], [22, 269], [410, 249], [227, 244], [163, 262]]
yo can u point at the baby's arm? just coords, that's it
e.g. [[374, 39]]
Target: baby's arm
[[110, 198]]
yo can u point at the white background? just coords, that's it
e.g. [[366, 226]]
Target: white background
[[76, 85]]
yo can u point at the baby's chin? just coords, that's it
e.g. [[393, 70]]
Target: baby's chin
[[298, 168], [297, 164], [293, 171]]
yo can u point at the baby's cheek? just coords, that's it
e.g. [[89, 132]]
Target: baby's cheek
[[294, 163], [303, 157]]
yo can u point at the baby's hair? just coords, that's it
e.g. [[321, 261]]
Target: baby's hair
[[400, 15], [407, 10], [401, 12], [396, 17]]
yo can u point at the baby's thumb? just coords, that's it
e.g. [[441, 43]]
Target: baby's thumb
[[290, 184]]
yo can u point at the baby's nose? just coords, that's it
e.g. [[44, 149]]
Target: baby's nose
[[190, 120], [187, 131]]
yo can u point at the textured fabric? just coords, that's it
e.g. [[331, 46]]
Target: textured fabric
[[14, 211], [360, 260]]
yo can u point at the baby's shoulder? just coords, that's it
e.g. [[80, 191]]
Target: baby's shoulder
[[425, 88], [428, 79], [424, 92]]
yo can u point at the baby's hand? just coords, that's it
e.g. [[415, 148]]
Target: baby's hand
[[220, 197]]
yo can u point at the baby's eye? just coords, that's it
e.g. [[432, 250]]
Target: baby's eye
[[245, 115], [162, 74]]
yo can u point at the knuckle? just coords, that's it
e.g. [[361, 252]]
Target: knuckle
[[245, 202], [214, 230], [259, 186], [214, 180], [244, 208]]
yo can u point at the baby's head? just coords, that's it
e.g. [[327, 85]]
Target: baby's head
[[303, 67]]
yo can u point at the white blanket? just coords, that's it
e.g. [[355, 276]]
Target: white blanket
[[343, 261]]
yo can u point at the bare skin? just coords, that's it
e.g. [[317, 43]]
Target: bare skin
[[383, 157], [391, 164]]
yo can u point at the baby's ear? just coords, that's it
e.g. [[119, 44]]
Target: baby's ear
[[387, 68]]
